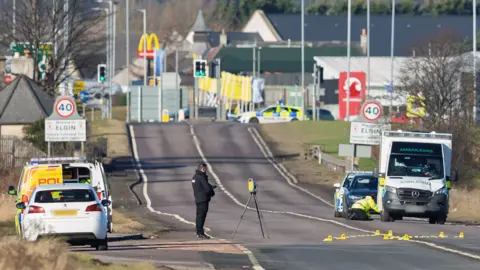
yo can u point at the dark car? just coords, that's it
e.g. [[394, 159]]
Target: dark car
[[322, 114], [361, 186]]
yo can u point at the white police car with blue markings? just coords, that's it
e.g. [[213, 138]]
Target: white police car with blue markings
[[272, 114], [354, 192]]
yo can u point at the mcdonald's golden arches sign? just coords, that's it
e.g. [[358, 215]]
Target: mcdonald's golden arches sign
[[150, 40]]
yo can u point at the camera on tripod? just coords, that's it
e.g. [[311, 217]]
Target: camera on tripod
[[252, 186]]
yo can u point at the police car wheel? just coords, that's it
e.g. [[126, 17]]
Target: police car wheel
[[253, 120], [102, 245], [294, 119]]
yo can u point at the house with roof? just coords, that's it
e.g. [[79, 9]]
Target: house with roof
[[22, 103], [409, 30]]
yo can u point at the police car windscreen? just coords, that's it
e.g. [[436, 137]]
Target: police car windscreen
[[64, 195]]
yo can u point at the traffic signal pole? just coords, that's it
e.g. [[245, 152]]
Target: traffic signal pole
[[219, 90], [195, 100]]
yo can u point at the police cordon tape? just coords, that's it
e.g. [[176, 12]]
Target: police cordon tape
[[390, 236]]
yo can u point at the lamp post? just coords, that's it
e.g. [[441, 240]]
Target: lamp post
[[127, 53], [107, 51], [144, 12], [391, 57], [349, 30], [14, 17], [303, 59], [475, 60]]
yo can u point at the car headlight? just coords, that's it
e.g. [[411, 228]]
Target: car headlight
[[391, 189], [354, 197], [441, 191]]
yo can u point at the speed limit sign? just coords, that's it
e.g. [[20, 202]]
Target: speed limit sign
[[372, 111], [65, 107]]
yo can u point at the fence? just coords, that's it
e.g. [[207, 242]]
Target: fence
[[14, 152], [334, 164]]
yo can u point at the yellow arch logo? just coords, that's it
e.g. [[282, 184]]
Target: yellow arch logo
[[150, 39]]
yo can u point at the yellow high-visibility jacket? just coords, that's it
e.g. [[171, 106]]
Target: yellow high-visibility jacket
[[366, 205]]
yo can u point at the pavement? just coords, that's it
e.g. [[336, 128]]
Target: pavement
[[298, 218]]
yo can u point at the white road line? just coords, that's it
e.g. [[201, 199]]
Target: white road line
[[251, 257], [280, 168], [196, 142], [269, 156]]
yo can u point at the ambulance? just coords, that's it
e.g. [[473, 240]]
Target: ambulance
[[58, 170], [415, 175]]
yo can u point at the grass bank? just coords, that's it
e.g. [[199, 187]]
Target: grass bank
[[287, 139]]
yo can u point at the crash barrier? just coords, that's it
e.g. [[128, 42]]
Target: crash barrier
[[390, 236], [315, 151]]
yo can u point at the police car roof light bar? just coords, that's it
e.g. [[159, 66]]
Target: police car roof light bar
[[57, 159]]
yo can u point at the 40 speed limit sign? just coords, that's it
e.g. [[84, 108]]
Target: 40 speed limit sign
[[372, 111]]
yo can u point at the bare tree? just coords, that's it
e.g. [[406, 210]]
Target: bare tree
[[435, 76], [38, 22], [441, 79]]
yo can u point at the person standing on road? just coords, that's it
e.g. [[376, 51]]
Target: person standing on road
[[203, 192]]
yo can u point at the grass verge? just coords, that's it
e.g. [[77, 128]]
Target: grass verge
[[287, 139], [52, 254]]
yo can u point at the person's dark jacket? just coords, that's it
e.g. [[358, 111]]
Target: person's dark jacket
[[202, 190]]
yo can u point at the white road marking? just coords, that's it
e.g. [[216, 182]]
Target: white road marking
[[251, 257], [196, 142], [269, 156]]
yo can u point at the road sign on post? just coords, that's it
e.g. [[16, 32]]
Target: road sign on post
[[64, 124], [84, 96]]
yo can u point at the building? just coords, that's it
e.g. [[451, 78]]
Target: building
[[409, 30], [22, 102]]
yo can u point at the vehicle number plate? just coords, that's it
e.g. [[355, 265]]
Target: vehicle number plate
[[65, 212]]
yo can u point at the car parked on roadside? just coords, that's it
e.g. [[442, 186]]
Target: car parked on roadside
[[70, 211], [355, 186]]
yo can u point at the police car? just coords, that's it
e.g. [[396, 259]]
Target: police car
[[355, 186], [271, 114]]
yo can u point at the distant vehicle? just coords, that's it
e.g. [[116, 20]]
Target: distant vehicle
[[71, 211], [271, 114], [401, 118], [355, 186], [322, 114]]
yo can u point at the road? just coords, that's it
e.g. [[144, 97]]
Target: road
[[297, 222]]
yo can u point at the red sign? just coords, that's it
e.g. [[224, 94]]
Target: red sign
[[8, 78], [357, 93]]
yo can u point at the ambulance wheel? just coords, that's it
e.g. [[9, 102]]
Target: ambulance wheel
[[253, 120], [294, 119], [385, 216], [102, 245]]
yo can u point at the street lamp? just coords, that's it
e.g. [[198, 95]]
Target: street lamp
[[111, 49], [144, 11], [127, 53], [475, 59], [303, 58], [107, 51]]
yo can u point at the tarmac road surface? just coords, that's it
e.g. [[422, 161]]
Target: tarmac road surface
[[296, 222]]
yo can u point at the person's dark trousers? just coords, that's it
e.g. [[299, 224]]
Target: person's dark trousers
[[202, 210], [357, 214]]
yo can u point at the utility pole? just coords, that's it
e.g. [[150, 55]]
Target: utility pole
[[303, 59], [127, 53], [349, 30], [391, 58], [219, 90], [368, 48], [475, 61]]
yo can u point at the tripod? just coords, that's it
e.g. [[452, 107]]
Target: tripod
[[259, 214]]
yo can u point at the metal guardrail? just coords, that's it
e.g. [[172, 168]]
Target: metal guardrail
[[316, 152]]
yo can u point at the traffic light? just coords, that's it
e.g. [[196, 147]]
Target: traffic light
[[200, 68], [102, 72]]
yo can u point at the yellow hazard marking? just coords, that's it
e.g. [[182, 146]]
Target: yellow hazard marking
[[390, 236]]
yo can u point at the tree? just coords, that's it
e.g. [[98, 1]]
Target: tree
[[42, 21], [440, 76]]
